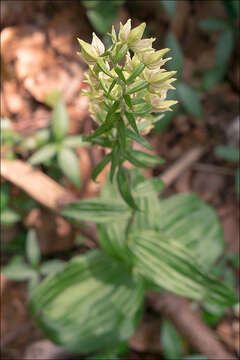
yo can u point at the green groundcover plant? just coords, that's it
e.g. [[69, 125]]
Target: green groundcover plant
[[146, 243]]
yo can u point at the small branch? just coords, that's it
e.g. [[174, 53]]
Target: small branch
[[186, 161], [190, 325], [36, 184], [214, 169]]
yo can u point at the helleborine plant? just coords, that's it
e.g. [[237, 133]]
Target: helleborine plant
[[172, 244]]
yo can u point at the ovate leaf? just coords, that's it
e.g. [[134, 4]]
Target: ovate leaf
[[96, 210], [43, 154], [194, 224], [69, 164], [189, 99], [84, 307], [60, 120], [165, 262]]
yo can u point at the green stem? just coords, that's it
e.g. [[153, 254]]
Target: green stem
[[129, 224]]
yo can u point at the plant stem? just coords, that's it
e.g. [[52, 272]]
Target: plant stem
[[129, 224]]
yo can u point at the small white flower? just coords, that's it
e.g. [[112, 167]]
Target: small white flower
[[142, 45], [98, 45], [124, 31]]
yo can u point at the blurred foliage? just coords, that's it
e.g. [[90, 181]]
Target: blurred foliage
[[28, 267], [230, 153]]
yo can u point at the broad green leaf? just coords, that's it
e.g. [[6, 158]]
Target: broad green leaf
[[150, 186], [124, 187], [84, 307], [100, 166], [60, 120], [228, 152], [176, 63], [9, 217], [213, 24], [69, 164], [189, 99], [17, 270], [32, 248], [224, 47], [171, 342], [192, 223], [169, 264], [43, 154], [113, 242], [52, 266], [74, 141], [170, 7], [95, 210], [139, 139]]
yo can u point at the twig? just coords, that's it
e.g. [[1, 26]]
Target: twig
[[190, 325], [214, 169], [187, 160]]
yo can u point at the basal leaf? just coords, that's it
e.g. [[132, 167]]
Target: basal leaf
[[84, 307], [165, 262]]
